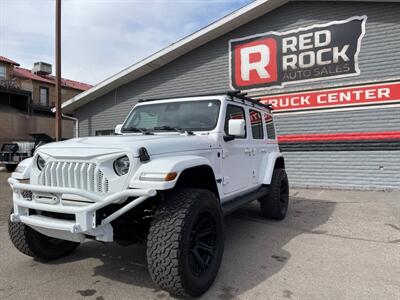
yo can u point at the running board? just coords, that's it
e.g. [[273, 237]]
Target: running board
[[231, 205]]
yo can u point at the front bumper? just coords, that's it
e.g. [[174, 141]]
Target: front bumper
[[83, 223]]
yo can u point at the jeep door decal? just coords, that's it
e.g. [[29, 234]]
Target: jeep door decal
[[273, 59]]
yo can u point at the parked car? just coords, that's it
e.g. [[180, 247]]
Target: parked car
[[12, 154], [175, 167]]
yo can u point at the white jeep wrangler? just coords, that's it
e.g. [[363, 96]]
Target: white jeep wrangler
[[167, 177]]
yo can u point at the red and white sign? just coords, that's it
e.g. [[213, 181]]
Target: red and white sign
[[275, 59], [360, 95], [258, 62]]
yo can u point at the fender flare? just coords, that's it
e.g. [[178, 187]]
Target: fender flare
[[23, 170], [270, 166], [165, 165]]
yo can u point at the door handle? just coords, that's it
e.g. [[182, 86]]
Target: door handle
[[247, 150], [263, 150]]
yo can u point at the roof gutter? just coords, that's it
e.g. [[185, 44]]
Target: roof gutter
[[76, 123]]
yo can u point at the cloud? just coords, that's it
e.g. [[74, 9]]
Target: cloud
[[99, 37]]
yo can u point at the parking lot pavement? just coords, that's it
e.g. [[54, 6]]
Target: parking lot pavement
[[332, 245]]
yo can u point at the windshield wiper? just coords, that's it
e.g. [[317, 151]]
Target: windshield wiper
[[136, 129], [167, 128], [177, 129]]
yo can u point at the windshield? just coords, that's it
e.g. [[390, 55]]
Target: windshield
[[201, 115]]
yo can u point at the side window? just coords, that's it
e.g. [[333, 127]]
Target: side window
[[234, 112], [269, 126], [256, 125]]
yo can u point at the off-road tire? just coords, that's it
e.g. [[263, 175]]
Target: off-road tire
[[275, 204], [172, 241], [34, 244], [11, 168]]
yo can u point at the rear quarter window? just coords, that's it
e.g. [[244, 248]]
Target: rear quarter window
[[256, 125], [269, 126]]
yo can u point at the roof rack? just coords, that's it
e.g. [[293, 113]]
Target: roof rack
[[243, 96], [183, 96], [232, 94]]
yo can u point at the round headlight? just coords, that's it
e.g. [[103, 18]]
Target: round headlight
[[121, 165], [40, 163]]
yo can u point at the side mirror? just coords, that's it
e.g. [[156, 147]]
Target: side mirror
[[236, 128], [118, 128]]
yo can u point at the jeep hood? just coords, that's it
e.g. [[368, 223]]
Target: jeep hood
[[155, 145]]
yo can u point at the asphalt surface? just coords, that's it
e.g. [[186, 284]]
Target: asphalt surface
[[332, 245]]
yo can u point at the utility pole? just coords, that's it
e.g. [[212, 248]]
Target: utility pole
[[58, 71]]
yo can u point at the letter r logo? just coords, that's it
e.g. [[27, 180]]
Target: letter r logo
[[260, 65], [255, 63]]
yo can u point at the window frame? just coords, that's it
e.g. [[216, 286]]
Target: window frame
[[245, 111], [47, 95]]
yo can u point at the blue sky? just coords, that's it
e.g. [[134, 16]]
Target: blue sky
[[101, 37]]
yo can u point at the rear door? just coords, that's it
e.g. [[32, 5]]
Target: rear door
[[258, 144]]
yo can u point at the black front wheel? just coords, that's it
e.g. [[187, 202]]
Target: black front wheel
[[32, 243], [186, 242]]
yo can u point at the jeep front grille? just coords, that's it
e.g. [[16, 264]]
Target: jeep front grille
[[80, 175]]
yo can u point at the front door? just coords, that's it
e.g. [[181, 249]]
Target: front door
[[237, 162]]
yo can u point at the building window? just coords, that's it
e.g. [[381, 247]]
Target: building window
[[3, 71], [104, 132], [44, 96]]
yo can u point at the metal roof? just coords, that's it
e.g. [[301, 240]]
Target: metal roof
[[181, 47], [8, 61], [25, 73]]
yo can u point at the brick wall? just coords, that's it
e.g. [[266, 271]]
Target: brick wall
[[66, 94]]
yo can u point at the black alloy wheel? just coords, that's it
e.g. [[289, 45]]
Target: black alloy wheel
[[203, 243]]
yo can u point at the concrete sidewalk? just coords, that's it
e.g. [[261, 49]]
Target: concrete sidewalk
[[332, 245]]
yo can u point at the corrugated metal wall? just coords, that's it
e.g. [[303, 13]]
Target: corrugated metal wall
[[344, 169], [206, 69], [362, 120]]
